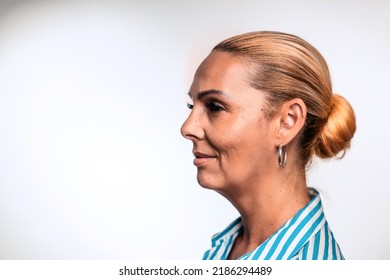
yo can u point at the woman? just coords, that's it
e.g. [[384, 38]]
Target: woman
[[257, 98]]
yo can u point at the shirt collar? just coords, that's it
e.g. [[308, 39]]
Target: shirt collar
[[289, 238]]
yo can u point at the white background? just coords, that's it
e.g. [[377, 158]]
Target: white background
[[92, 97]]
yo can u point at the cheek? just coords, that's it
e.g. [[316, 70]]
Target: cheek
[[241, 136], [227, 140], [241, 142]]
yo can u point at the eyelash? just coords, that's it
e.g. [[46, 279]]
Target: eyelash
[[210, 105], [214, 106]]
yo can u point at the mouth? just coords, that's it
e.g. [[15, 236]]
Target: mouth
[[202, 159]]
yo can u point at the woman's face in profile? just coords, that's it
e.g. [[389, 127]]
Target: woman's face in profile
[[232, 138]]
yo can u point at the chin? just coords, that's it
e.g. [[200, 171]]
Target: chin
[[209, 183]]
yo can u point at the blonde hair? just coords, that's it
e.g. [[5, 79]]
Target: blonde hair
[[287, 67]]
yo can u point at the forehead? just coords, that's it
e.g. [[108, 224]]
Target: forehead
[[221, 71]]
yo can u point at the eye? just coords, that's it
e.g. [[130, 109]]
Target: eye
[[214, 106], [190, 106]]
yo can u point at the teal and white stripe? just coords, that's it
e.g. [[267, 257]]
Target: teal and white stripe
[[306, 236]]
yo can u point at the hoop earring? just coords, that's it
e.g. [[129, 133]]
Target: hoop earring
[[282, 155]]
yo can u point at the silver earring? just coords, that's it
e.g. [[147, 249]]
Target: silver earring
[[282, 155]]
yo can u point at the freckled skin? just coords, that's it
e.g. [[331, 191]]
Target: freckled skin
[[233, 129], [239, 136]]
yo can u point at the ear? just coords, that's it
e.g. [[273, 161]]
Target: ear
[[291, 118]]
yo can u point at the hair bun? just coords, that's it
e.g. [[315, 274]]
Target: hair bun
[[335, 136]]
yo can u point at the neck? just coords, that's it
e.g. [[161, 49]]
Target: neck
[[265, 205]]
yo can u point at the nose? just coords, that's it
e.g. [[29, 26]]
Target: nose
[[192, 128]]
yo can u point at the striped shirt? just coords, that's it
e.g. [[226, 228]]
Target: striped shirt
[[306, 236]]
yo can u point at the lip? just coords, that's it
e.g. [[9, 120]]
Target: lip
[[202, 159]]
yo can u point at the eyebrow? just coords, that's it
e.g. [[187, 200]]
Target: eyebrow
[[204, 93]]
